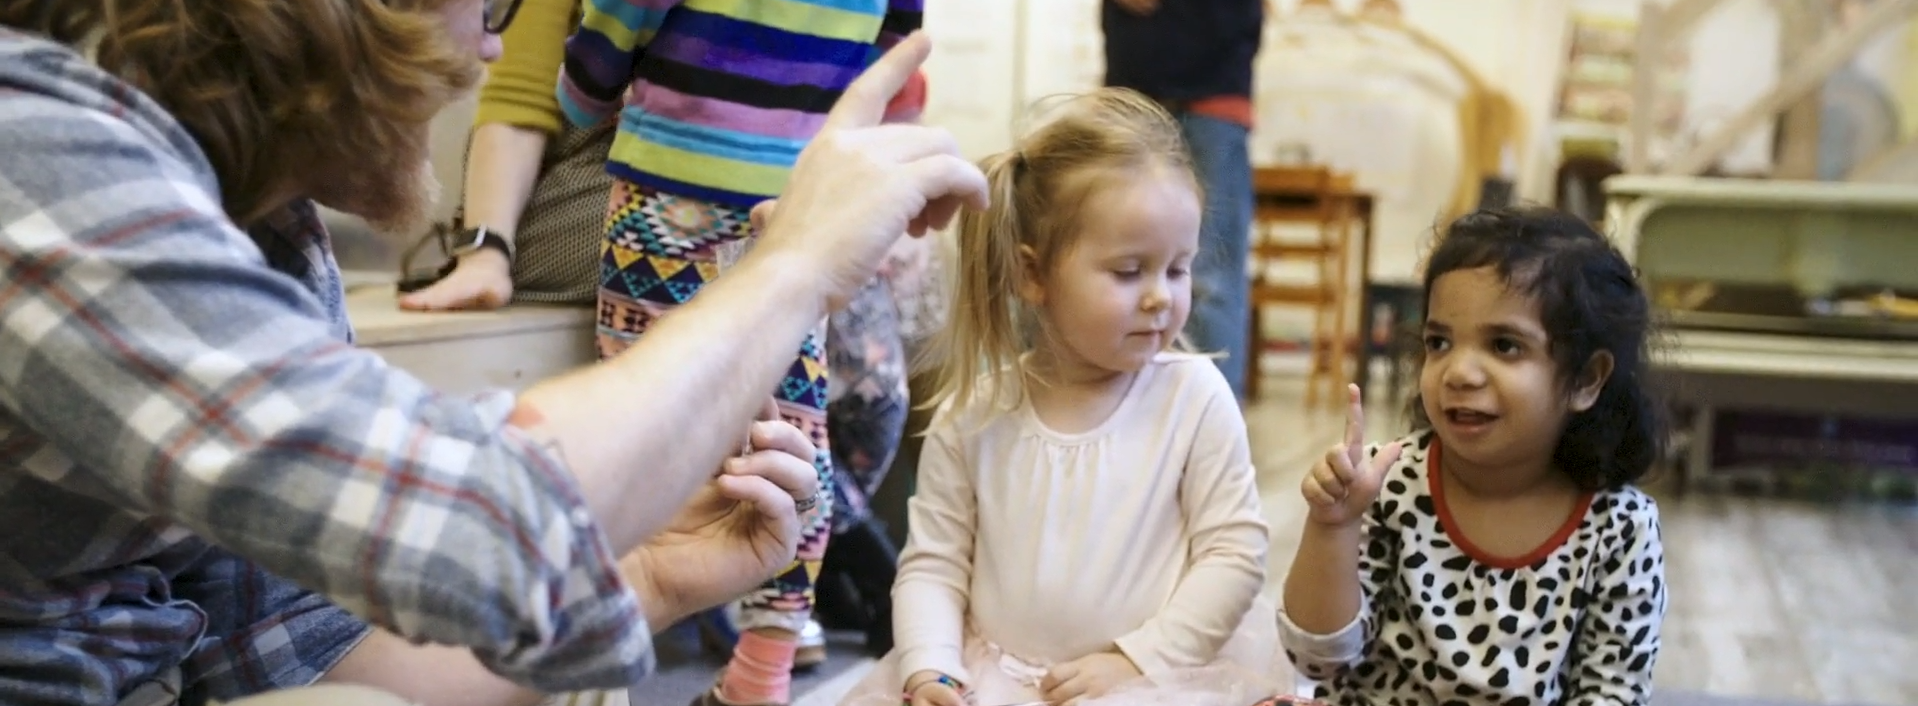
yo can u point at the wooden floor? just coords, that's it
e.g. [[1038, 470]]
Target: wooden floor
[[1770, 599]]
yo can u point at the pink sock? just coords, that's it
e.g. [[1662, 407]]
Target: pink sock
[[761, 671]]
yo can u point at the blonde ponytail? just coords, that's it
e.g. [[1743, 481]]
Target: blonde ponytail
[[983, 331]]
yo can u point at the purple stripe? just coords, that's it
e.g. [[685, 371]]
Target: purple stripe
[[708, 112], [699, 52]]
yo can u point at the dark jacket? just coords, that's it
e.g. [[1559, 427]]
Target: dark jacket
[[1184, 51]]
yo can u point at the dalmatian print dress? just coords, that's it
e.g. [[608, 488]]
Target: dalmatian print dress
[[1575, 622]]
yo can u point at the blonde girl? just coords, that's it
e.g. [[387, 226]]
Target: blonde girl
[[1086, 511]]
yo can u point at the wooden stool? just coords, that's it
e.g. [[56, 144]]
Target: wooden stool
[[1317, 197]]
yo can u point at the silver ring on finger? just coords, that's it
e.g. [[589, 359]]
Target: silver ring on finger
[[807, 503]]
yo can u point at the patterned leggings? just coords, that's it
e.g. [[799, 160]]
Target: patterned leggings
[[868, 406], [658, 251]]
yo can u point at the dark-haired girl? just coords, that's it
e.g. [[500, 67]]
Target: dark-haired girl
[[1500, 554]]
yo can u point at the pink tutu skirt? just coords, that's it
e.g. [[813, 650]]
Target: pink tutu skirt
[[1250, 668]]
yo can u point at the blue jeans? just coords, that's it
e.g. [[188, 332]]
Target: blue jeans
[[1220, 320]]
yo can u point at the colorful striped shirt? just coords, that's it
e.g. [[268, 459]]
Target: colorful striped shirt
[[720, 95]]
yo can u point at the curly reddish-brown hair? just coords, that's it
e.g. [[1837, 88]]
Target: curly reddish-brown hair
[[273, 88]]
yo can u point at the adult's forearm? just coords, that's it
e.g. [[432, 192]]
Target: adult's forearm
[[643, 430], [1322, 591], [502, 165]]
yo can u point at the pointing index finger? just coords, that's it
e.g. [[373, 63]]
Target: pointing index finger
[[1355, 426], [864, 102]]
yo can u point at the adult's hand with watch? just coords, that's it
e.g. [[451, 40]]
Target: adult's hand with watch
[[481, 276], [502, 165]]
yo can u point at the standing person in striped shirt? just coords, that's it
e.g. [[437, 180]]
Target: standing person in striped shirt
[[715, 99]]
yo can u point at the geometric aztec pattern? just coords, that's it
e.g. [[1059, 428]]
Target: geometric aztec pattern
[[659, 250]]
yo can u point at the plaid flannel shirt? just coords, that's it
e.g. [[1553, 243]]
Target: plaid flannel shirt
[[176, 394]]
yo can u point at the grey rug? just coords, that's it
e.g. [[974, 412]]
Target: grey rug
[[1670, 697], [685, 670]]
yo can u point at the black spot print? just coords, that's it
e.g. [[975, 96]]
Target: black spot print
[[1542, 607], [1522, 655], [1438, 543], [1450, 592], [1425, 506], [1478, 634], [1467, 690], [1396, 487], [1501, 678], [1438, 610], [1518, 593], [1416, 560], [1547, 583], [1466, 608], [1460, 658], [1428, 580], [1405, 642], [1491, 656], [1445, 632], [1508, 624]]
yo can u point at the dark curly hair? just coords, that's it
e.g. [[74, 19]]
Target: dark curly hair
[[1589, 300]]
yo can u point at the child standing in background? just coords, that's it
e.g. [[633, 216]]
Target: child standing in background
[[1501, 554], [719, 98], [1086, 510]]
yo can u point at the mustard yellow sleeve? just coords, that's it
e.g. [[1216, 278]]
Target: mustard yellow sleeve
[[519, 86]]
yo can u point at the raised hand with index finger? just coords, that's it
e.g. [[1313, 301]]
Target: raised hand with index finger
[[859, 184], [1344, 483]]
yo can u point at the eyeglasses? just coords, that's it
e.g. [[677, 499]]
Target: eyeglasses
[[499, 14]]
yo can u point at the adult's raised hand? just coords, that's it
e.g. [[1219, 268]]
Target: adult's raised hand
[[860, 184]]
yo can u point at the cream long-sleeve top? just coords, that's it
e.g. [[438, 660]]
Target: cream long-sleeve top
[[1144, 532]]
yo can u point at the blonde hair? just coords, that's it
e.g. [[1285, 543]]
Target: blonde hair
[[1039, 191], [271, 88]]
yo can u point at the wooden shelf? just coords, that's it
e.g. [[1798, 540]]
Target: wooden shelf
[[470, 351], [1771, 355]]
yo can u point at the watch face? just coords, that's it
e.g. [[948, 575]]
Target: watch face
[[469, 240]]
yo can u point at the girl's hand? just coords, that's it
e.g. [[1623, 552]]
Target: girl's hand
[[937, 694], [1343, 485], [1087, 677], [925, 689]]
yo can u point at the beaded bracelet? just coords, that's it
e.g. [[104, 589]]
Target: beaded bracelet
[[941, 679]]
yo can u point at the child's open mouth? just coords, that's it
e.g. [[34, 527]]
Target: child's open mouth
[[1469, 418]]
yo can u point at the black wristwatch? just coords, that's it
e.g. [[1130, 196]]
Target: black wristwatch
[[473, 239], [457, 244]]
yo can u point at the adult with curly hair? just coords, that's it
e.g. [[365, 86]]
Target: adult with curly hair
[[207, 493]]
